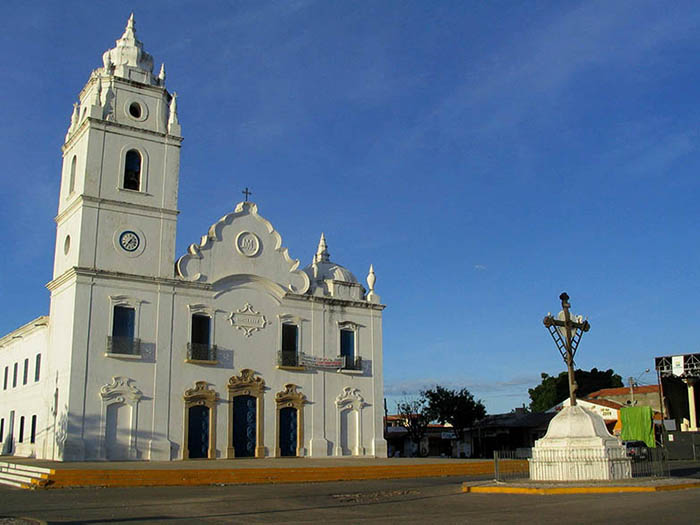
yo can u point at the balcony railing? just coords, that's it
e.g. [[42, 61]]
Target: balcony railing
[[201, 352], [352, 364], [288, 359], [123, 345]]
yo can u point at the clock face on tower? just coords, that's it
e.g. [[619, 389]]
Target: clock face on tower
[[129, 241]]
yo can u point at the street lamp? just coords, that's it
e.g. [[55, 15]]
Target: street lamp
[[635, 382]]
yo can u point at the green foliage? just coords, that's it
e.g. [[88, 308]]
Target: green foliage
[[413, 418], [555, 389], [456, 407]]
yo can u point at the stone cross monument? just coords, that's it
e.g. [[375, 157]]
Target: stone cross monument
[[577, 445]]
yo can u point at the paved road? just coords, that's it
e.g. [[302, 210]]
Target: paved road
[[383, 501]]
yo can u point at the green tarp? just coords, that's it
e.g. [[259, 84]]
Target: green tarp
[[637, 426]]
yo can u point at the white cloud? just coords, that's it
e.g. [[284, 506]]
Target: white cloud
[[413, 387]]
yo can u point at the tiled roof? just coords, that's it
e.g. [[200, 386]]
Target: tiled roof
[[623, 391], [516, 420], [604, 403]]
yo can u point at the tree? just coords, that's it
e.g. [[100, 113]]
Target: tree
[[555, 389], [456, 407], [412, 414]]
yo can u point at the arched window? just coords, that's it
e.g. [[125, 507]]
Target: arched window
[[71, 183], [132, 170]]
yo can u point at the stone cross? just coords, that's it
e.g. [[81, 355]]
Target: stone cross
[[573, 331]]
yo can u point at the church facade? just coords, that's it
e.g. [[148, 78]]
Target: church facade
[[231, 350]]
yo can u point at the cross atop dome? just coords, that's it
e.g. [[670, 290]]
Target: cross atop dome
[[128, 58]]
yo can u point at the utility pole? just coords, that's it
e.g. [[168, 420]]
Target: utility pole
[[631, 380]]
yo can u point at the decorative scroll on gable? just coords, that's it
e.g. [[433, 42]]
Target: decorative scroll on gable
[[242, 245], [350, 398], [122, 390]]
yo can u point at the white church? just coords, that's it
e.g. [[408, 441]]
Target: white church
[[229, 351]]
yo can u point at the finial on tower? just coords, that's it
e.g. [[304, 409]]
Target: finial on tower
[[76, 114], [128, 57], [130, 30], [73, 120], [371, 278], [173, 122], [372, 296], [322, 254], [161, 75]]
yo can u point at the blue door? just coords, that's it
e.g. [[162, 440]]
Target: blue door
[[198, 432], [244, 426], [288, 431]]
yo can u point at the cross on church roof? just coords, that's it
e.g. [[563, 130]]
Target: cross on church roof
[[246, 193]]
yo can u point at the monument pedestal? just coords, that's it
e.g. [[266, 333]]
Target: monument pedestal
[[578, 447]]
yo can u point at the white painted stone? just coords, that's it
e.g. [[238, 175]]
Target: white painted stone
[[578, 446]]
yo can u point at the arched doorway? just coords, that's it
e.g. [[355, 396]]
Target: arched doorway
[[245, 427], [290, 421], [288, 430], [200, 422], [119, 419], [348, 432], [198, 432], [117, 431], [349, 423]]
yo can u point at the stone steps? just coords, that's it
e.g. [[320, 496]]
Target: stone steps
[[143, 477], [23, 476]]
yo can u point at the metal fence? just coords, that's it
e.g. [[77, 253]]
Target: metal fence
[[511, 465], [653, 464], [287, 358], [123, 345], [201, 352]]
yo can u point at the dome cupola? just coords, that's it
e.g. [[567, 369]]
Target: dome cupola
[[128, 58], [331, 279]]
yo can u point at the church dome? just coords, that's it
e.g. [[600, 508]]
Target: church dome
[[322, 268], [330, 270]]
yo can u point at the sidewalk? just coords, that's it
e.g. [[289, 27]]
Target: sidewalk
[[53, 474], [580, 487]]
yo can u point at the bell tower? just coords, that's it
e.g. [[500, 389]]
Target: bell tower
[[117, 208]]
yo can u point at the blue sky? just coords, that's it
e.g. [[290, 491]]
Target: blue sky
[[484, 156]]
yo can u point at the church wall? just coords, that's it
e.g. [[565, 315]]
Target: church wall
[[369, 348], [148, 258], [26, 399], [65, 382], [153, 209], [68, 234], [318, 336], [235, 352], [259, 353], [102, 368], [153, 169], [154, 109], [78, 149], [93, 142]]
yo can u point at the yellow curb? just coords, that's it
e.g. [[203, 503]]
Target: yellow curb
[[575, 490], [183, 477], [680, 486]]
